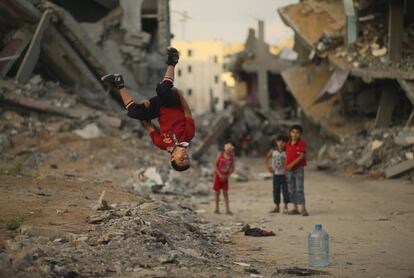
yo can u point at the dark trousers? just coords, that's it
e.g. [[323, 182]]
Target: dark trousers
[[280, 185], [166, 97]]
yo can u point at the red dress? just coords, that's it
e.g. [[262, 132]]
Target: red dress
[[224, 166]]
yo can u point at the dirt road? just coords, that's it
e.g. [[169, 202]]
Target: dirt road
[[371, 224]]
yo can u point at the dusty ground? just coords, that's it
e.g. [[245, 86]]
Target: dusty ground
[[371, 224]]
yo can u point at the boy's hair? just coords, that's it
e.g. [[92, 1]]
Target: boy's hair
[[297, 127], [282, 137], [228, 142], [179, 168]]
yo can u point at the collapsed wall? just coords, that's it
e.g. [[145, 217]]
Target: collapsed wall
[[63, 43]]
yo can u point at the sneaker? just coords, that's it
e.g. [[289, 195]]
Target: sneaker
[[305, 213], [115, 80], [173, 56]]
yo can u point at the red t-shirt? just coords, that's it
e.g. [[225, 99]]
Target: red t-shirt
[[224, 164], [173, 121], [293, 152]]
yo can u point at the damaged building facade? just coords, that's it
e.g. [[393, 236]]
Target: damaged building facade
[[257, 72], [76, 42], [354, 75]]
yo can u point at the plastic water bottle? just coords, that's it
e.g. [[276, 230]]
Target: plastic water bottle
[[318, 244]]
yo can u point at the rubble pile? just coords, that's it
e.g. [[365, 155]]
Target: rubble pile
[[254, 132], [149, 238], [372, 151], [370, 50]]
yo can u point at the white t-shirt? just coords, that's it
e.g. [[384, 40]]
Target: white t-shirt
[[278, 162]]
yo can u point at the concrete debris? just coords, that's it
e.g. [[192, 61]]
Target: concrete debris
[[399, 168], [123, 240], [94, 30], [90, 131], [152, 174], [376, 144], [379, 52], [102, 203], [4, 142], [382, 154], [405, 138]]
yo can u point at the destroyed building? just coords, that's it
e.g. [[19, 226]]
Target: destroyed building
[[258, 73], [354, 75], [76, 42]]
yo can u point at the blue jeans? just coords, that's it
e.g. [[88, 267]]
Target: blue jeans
[[295, 181], [280, 185]]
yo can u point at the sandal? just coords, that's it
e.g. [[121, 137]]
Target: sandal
[[294, 212], [275, 210]]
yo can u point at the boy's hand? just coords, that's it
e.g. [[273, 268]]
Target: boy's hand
[[223, 177], [145, 102], [289, 167], [115, 80], [173, 56], [148, 126], [270, 169]]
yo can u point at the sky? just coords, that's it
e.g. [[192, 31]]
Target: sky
[[228, 20]]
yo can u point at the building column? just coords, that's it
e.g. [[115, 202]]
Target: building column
[[386, 107], [395, 29]]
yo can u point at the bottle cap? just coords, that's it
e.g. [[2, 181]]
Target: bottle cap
[[318, 227]]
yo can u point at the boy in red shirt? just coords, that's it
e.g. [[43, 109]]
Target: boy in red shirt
[[172, 110], [224, 167], [295, 163]]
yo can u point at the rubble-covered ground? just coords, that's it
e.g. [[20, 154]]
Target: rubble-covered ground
[[370, 152], [53, 171]]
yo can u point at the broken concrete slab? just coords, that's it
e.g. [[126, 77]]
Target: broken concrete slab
[[138, 39], [219, 126], [32, 54], [405, 138], [94, 30], [131, 15], [400, 168], [110, 121], [111, 50], [89, 51], [12, 51], [367, 159], [38, 106], [328, 16]]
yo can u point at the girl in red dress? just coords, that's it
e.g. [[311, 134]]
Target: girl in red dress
[[224, 167]]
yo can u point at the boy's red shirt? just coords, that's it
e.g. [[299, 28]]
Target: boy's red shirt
[[293, 151], [173, 121]]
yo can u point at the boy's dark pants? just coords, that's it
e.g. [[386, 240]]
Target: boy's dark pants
[[280, 184], [166, 97]]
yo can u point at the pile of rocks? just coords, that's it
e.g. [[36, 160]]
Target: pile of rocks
[[370, 51], [147, 238], [254, 132], [371, 151]]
